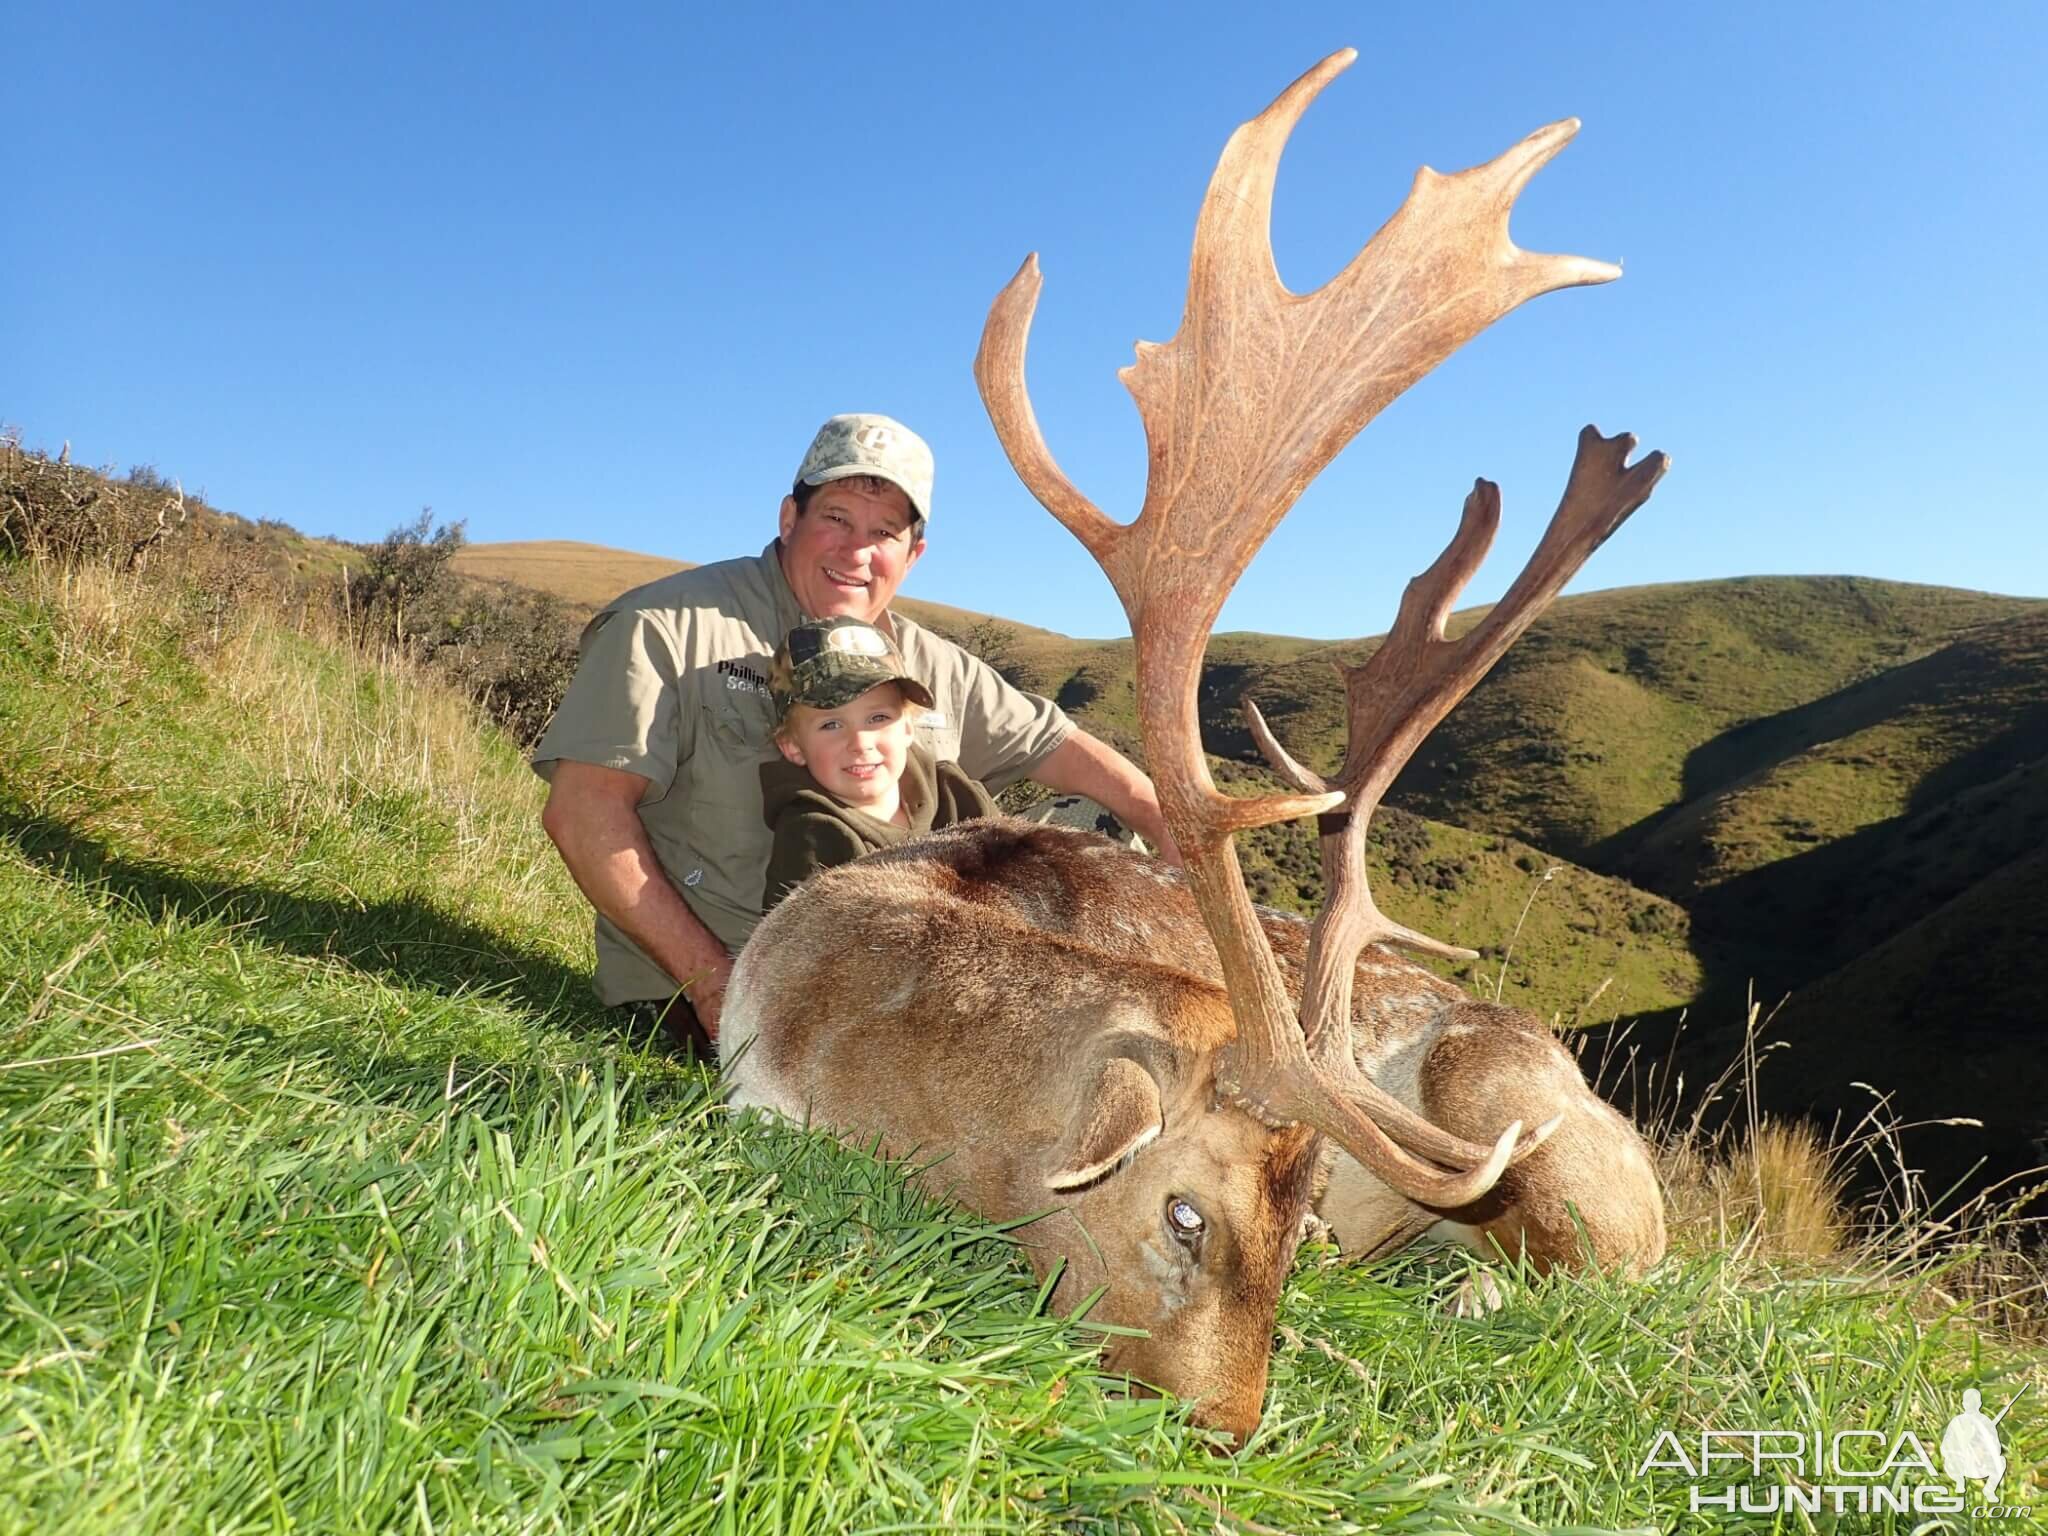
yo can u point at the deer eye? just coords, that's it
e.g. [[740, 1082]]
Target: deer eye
[[1184, 1221]]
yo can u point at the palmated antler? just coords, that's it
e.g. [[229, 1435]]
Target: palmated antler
[[1258, 390]]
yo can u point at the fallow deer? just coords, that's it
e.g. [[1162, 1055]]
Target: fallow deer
[[1056, 1028]]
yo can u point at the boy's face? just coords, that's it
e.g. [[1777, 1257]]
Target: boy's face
[[856, 751]]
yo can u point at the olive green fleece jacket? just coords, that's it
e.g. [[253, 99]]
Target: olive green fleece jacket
[[815, 829]]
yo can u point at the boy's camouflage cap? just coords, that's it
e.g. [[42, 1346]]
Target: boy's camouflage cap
[[833, 662], [867, 444]]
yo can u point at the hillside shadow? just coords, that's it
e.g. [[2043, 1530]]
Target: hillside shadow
[[1787, 923], [1755, 746], [407, 941], [1976, 674], [1746, 750], [1957, 1138], [2026, 741], [1950, 1035]]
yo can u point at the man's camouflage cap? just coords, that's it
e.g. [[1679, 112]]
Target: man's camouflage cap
[[866, 444], [831, 662]]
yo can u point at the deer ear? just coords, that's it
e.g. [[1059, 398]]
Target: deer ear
[[1121, 1115]]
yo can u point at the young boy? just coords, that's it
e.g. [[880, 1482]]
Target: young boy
[[852, 779]]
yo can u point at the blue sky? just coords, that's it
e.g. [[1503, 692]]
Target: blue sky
[[599, 274]]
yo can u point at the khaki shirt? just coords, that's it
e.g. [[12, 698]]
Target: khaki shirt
[[673, 686]]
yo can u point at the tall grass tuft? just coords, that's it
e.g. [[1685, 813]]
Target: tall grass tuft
[[1779, 1188]]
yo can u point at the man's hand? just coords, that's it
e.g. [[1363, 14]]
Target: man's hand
[[1164, 847], [706, 992], [1087, 765], [593, 815]]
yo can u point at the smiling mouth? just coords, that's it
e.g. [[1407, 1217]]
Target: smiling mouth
[[842, 579]]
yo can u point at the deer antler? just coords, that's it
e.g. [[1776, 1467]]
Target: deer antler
[[1258, 390], [1406, 687]]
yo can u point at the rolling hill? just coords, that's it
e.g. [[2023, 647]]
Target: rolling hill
[[583, 576]]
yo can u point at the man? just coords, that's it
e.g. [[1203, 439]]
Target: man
[[653, 758]]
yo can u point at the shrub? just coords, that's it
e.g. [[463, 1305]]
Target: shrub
[[1402, 839], [52, 510], [404, 580], [514, 651], [1444, 874], [992, 640]]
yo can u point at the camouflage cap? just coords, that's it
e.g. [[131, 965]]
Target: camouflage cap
[[833, 662], [865, 444]]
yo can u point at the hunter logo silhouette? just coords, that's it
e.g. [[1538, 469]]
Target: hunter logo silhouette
[[1969, 1446]]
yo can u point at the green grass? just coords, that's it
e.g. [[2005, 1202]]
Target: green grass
[[329, 1202]]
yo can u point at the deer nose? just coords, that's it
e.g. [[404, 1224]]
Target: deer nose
[[1239, 1425], [1236, 1417], [1234, 1412]]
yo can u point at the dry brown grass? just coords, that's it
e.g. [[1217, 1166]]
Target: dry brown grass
[[585, 576], [1777, 1191]]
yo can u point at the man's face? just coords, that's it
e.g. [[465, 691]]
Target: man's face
[[857, 750], [849, 551]]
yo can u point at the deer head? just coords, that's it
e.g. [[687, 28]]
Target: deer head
[[1258, 390]]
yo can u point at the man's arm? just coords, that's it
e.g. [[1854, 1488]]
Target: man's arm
[[1087, 765], [1002, 729], [593, 816]]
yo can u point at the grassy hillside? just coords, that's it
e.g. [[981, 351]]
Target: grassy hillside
[[1573, 945], [1876, 862], [332, 1204], [1601, 719], [1903, 741], [1818, 910]]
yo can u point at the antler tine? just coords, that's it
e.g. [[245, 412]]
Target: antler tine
[[1257, 391], [999, 373], [1410, 683], [1281, 760], [1600, 493], [1351, 919]]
